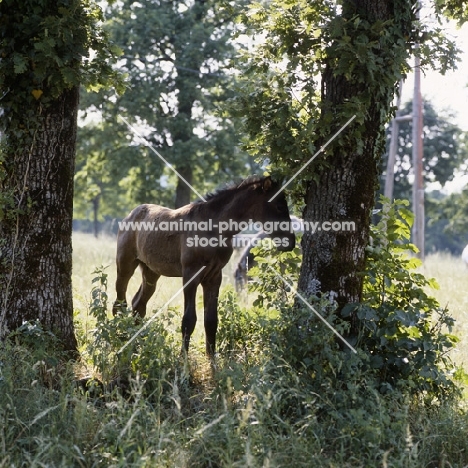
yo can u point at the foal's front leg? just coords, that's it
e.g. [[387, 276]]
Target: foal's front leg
[[210, 301], [190, 313], [125, 269]]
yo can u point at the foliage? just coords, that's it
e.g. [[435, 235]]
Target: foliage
[[123, 348], [240, 329], [280, 95], [403, 341], [452, 211], [273, 274], [47, 48], [455, 9], [320, 68], [282, 392], [101, 171], [444, 221], [176, 59], [32, 335], [403, 328]]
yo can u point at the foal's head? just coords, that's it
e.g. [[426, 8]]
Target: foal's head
[[274, 214]]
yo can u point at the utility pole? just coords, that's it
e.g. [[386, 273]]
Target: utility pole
[[417, 137], [418, 186]]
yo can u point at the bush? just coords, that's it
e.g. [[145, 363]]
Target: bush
[[402, 328], [404, 337], [124, 348]]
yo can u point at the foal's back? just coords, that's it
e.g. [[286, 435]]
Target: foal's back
[[150, 240]]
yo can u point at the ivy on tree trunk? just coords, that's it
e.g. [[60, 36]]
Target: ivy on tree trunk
[[36, 266], [42, 45], [319, 65], [333, 261]]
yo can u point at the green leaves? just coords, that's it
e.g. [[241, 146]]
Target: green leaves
[[50, 37], [272, 291], [175, 58], [280, 95], [400, 322], [20, 63], [120, 348]]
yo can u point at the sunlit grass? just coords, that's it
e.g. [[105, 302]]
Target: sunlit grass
[[452, 276]]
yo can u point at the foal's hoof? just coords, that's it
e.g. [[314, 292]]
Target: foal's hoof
[[119, 307]]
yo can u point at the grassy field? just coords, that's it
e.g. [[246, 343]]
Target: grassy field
[[90, 252], [452, 275], [280, 393]]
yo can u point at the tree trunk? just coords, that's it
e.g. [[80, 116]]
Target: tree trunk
[[189, 59], [332, 260], [183, 191], [36, 246], [96, 201], [345, 191]]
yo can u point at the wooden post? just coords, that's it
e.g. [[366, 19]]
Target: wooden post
[[418, 185]]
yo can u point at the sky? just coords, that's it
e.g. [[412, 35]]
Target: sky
[[449, 91]]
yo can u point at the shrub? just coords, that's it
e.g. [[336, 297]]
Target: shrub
[[404, 337], [403, 329], [124, 348]]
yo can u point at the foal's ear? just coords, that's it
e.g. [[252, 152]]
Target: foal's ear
[[267, 184]]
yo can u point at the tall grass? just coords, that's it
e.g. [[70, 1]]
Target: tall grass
[[452, 275], [258, 407]]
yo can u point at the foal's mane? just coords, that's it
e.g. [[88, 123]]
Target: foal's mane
[[230, 189]]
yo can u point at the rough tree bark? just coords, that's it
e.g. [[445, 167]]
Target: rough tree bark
[[332, 261], [36, 245]]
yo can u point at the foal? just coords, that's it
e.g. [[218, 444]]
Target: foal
[[180, 242]]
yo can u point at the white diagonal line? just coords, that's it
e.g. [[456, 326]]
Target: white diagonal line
[[160, 310], [312, 309], [211, 424], [312, 158], [168, 164]]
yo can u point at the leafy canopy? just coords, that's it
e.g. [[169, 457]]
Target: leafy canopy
[[280, 97], [176, 59], [50, 46]]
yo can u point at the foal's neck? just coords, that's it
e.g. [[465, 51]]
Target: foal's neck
[[237, 208]]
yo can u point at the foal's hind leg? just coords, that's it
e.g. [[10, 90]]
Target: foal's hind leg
[[125, 270], [146, 290]]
